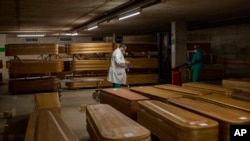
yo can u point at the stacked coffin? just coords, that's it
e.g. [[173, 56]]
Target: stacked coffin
[[33, 75], [90, 67], [140, 71], [122, 99], [171, 123], [104, 123], [239, 84], [155, 93], [224, 115]]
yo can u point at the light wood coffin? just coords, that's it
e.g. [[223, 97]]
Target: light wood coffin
[[212, 87], [170, 123], [90, 65], [240, 84], [88, 84], [30, 49], [225, 116], [32, 67], [33, 85], [155, 93], [105, 123], [122, 99], [82, 48], [186, 92], [47, 101], [226, 101], [48, 126]]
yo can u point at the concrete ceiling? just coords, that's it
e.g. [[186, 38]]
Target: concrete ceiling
[[55, 17]]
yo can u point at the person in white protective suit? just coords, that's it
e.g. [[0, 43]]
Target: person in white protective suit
[[117, 74]]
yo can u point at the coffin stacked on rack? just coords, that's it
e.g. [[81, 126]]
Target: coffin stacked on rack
[[35, 74], [89, 60], [144, 63]]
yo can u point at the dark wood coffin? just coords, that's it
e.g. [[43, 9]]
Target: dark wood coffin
[[171, 123], [105, 123], [155, 93], [225, 116], [122, 99], [227, 101], [33, 85]]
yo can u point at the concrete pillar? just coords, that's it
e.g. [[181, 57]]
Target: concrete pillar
[[178, 46], [4, 70]]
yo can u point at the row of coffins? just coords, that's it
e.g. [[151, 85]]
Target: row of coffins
[[180, 113]]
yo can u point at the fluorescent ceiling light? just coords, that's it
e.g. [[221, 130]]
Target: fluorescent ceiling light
[[71, 34], [30, 35], [93, 27], [129, 15]]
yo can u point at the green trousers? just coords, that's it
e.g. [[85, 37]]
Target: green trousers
[[115, 85]]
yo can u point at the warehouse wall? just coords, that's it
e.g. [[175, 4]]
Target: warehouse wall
[[230, 45]]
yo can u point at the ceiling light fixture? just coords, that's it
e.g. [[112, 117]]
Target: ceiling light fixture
[[93, 27], [125, 16], [71, 34], [30, 35]]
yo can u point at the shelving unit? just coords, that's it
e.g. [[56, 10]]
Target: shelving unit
[[33, 75]]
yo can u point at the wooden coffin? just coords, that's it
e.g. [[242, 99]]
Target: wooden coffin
[[226, 101], [155, 93], [38, 67], [149, 78], [48, 126], [90, 65], [143, 62], [213, 88], [33, 85], [241, 96], [30, 49], [104, 123], [170, 123], [82, 48], [122, 99], [186, 92], [225, 116], [89, 84], [47, 101], [240, 84]]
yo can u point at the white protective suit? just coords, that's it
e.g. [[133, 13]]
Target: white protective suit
[[117, 73]]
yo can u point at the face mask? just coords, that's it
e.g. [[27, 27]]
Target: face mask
[[123, 52]]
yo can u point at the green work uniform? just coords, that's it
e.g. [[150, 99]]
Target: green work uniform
[[196, 66]]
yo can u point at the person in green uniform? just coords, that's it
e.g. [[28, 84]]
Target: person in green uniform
[[196, 64]]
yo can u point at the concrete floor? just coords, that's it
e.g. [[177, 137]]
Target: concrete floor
[[22, 105]]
